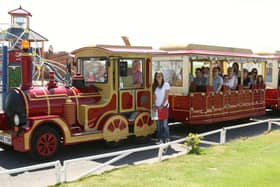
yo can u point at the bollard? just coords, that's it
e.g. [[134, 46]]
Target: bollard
[[58, 172], [223, 136], [269, 125], [160, 151]]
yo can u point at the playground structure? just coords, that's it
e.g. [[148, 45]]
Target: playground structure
[[11, 37]]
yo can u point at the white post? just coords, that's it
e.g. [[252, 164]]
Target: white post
[[223, 136], [269, 125], [160, 150], [65, 171], [58, 172]]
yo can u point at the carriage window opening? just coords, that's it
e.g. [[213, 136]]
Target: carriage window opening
[[199, 76], [131, 73], [172, 71], [94, 69], [268, 73], [123, 68]]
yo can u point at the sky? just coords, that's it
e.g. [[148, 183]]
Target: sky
[[71, 24]]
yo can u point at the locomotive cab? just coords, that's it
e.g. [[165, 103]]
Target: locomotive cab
[[123, 77]]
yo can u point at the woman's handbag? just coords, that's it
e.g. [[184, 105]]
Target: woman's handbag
[[160, 114]]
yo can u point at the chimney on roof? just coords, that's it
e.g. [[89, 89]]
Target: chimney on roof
[[126, 41]]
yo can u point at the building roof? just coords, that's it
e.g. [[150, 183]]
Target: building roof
[[14, 32], [20, 12]]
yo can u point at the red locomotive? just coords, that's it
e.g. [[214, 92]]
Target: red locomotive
[[102, 103]]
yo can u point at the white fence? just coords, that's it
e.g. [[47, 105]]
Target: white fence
[[62, 171]]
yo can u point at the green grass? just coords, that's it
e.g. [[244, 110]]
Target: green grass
[[246, 162]]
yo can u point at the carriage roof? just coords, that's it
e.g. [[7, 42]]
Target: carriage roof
[[198, 49], [110, 49]]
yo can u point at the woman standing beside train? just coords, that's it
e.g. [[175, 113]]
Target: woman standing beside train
[[160, 101]]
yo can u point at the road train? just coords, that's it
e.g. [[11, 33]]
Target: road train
[[103, 103]]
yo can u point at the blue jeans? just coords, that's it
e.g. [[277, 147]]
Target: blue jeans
[[162, 130]]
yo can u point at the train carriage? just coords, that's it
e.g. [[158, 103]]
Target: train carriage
[[102, 103], [272, 96], [205, 106]]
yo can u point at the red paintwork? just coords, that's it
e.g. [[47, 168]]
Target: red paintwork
[[179, 107], [272, 98], [210, 108], [26, 75], [144, 99], [145, 120], [14, 56], [95, 113], [38, 98], [18, 142], [4, 123], [116, 124], [19, 12], [46, 144], [127, 100]]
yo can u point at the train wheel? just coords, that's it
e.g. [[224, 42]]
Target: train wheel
[[115, 129], [44, 143], [143, 125]]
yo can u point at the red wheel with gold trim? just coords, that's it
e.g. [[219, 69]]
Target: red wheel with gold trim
[[44, 143], [143, 125], [115, 128]]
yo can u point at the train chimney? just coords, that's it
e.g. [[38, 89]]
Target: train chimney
[[52, 83], [26, 65]]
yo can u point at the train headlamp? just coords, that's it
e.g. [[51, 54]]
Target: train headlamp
[[25, 45], [16, 120]]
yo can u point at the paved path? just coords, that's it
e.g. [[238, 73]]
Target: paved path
[[10, 159]]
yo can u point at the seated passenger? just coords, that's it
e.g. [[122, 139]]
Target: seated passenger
[[260, 83], [90, 76], [205, 72], [226, 81], [101, 75], [199, 82], [246, 79], [232, 82], [254, 76], [236, 72], [137, 74], [217, 80]]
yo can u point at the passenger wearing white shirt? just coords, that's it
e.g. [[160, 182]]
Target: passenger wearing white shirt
[[161, 91], [232, 79]]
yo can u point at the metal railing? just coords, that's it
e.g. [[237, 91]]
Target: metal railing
[[55, 164], [62, 171]]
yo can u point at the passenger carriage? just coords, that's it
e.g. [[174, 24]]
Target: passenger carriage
[[272, 97], [207, 107]]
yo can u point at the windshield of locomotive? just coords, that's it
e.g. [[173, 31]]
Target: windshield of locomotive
[[172, 71], [94, 69], [131, 73]]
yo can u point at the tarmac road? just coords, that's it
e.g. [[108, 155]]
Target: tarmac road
[[10, 159]]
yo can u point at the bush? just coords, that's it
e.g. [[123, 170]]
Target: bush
[[192, 142]]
